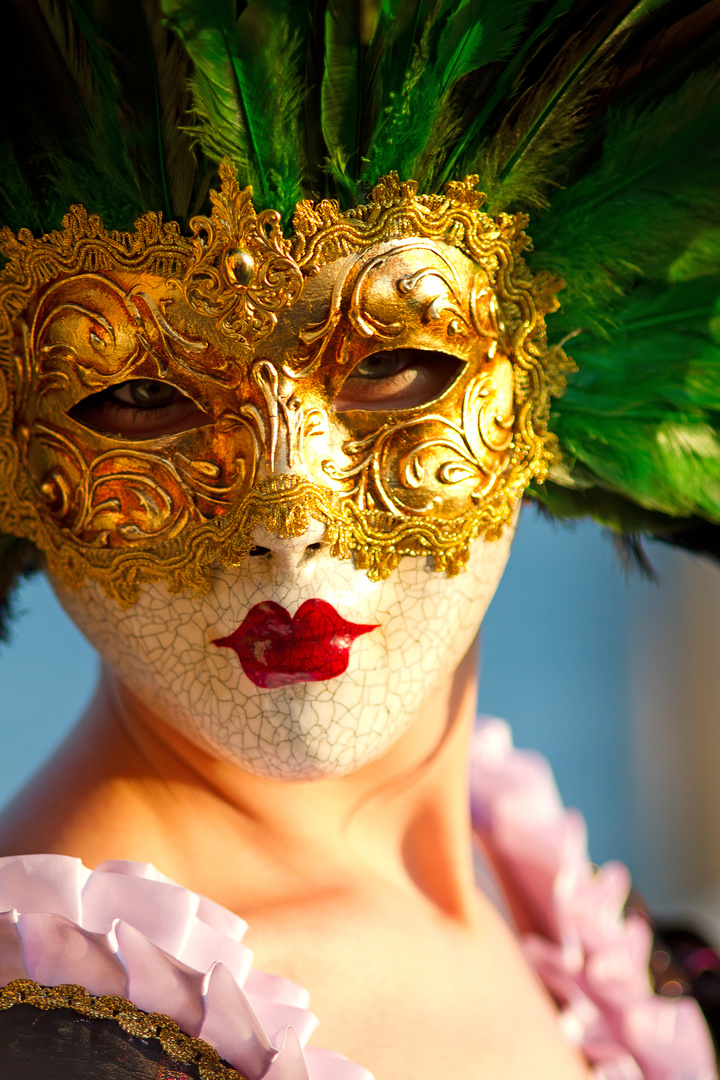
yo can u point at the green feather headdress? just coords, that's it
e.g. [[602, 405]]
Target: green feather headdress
[[600, 120]]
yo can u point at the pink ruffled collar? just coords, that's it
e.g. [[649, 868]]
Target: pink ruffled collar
[[126, 929], [592, 959]]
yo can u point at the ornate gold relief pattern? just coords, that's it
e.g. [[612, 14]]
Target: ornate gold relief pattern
[[83, 244], [261, 332], [184, 1049], [241, 273]]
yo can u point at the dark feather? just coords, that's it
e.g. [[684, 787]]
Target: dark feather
[[18, 559], [342, 84], [499, 96], [152, 71]]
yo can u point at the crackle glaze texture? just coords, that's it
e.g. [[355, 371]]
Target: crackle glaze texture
[[163, 650]]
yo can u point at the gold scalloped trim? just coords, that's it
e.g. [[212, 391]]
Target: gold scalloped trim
[[239, 272], [184, 1049]]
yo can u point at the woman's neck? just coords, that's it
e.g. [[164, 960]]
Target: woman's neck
[[125, 785]]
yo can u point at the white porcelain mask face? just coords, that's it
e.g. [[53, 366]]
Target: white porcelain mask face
[[323, 670]]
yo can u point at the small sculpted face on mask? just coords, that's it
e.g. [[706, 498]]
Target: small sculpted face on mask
[[294, 665]]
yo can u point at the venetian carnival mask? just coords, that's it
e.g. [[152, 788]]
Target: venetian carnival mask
[[377, 384], [162, 396]]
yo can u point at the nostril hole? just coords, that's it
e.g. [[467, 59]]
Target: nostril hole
[[259, 550]]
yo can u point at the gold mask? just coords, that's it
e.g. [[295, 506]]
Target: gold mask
[[261, 333]]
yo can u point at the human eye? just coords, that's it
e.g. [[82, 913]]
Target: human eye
[[139, 409], [397, 379]]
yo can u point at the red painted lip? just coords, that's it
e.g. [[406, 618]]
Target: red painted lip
[[276, 649]]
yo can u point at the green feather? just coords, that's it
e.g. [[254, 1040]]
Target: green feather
[[700, 258], [571, 77], [629, 217], [246, 89], [517, 165], [403, 27], [152, 71], [229, 96], [456, 40], [640, 415], [478, 37], [477, 33]]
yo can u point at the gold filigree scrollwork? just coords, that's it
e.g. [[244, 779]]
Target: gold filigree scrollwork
[[241, 273], [83, 245], [83, 309], [121, 497], [324, 233], [474, 445], [356, 281]]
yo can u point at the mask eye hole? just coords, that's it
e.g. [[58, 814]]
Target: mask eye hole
[[397, 379], [139, 409]]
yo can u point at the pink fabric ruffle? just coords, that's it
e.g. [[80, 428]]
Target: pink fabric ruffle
[[126, 929], [592, 959]]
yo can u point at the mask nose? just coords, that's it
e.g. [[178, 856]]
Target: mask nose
[[288, 553]]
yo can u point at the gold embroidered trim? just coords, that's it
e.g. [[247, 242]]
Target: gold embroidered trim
[[184, 1049]]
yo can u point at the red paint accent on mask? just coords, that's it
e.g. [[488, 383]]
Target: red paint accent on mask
[[276, 650]]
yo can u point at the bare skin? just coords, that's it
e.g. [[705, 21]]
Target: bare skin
[[359, 888]]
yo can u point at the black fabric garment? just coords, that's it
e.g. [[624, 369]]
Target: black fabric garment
[[58, 1044]]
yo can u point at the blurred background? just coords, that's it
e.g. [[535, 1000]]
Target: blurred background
[[616, 680]]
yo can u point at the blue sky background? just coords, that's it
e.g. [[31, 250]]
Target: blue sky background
[[555, 664]]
